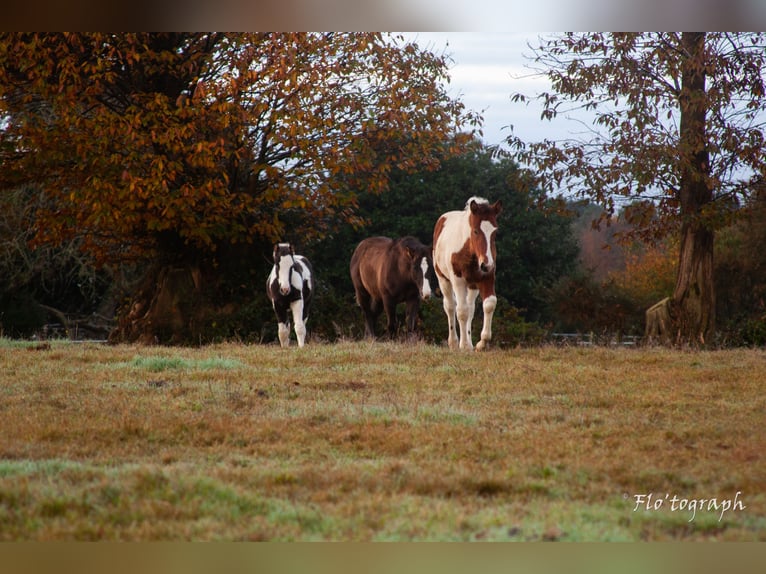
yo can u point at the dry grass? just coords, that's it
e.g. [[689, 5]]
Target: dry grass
[[359, 441]]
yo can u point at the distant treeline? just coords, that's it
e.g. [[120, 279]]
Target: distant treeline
[[556, 273]]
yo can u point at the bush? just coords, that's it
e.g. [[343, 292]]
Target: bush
[[20, 315], [584, 305], [510, 329], [754, 332]]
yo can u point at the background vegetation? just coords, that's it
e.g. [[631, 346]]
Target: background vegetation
[[145, 177], [557, 273]]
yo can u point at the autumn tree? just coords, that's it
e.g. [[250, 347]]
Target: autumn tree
[[678, 134], [189, 149]]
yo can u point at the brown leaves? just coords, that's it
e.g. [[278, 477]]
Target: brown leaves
[[631, 145], [213, 138]]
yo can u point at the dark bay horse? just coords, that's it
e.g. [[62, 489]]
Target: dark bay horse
[[386, 272], [290, 287], [465, 258]]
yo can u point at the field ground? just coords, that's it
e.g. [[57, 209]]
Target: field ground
[[367, 442]]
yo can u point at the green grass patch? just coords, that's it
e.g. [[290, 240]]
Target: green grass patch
[[157, 364]]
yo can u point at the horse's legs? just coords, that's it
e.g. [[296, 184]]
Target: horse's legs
[[448, 302], [369, 324], [283, 324], [284, 334], [466, 307], [489, 305], [375, 310], [413, 306], [300, 325], [390, 307], [369, 310]]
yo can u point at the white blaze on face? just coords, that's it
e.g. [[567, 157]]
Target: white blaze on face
[[285, 270], [488, 229], [426, 290]]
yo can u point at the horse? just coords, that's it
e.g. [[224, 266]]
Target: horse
[[464, 259], [386, 272], [290, 286]]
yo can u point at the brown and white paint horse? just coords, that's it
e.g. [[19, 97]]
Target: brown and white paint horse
[[464, 259], [386, 272], [290, 287]]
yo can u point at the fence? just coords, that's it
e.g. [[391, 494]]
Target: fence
[[591, 339]]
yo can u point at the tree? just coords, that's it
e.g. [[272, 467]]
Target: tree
[[678, 124], [185, 149]]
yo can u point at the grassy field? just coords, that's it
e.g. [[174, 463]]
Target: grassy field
[[368, 442]]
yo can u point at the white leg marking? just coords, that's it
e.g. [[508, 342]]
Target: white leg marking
[[464, 314], [300, 326], [448, 302], [285, 271], [284, 334], [486, 332]]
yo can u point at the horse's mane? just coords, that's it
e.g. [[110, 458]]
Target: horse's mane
[[411, 242], [477, 199]]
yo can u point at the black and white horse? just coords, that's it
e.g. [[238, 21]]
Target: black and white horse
[[290, 286]]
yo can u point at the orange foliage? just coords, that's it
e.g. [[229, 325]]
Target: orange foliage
[[649, 274], [159, 143]]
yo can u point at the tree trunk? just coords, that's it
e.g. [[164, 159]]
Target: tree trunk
[[164, 310], [188, 297], [694, 295], [659, 322]]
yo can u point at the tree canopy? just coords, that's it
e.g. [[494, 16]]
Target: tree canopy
[[156, 142], [183, 149], [632, 84]]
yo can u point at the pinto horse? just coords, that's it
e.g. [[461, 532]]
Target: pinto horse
[[290, 286], [464, 258], [386, 272]]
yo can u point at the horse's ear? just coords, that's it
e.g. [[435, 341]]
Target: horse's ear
[[410, 252], [292, 249], [497, 207], [474, 206]]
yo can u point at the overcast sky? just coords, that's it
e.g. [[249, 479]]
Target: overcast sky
[[487, 68]]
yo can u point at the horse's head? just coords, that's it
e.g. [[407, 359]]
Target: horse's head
[[422, 268], [483, 222], [430, 283], [284, 260]]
